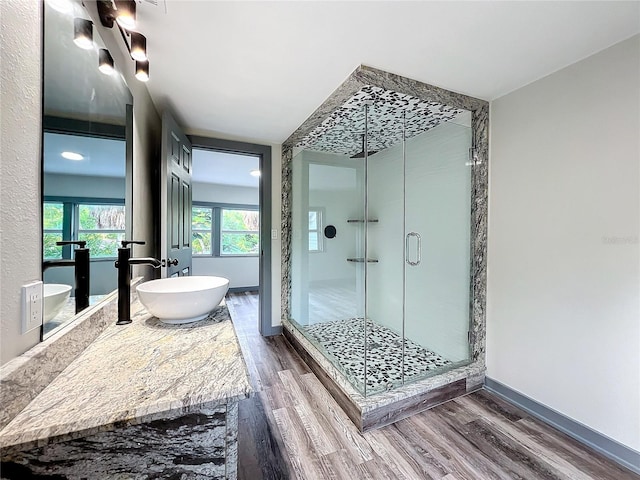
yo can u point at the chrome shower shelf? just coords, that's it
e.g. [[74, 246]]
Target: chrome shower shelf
[[371, 220], [361, 260]]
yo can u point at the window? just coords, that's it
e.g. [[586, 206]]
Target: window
[[201, 230], [220, 230], [315, 230], [101, 225], [52, 226], [239, 234]]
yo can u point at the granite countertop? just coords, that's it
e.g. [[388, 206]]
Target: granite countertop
[[136, 373]]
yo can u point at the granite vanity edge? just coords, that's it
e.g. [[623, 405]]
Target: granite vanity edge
[[164, 408], [24, 377], [9, 446]]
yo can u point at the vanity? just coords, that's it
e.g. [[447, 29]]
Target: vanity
[[144, 400]]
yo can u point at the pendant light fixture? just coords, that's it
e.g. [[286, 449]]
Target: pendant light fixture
[[123, 13], [138, 47], [126, 13], [83, 33], [105, 62], [142, 71]]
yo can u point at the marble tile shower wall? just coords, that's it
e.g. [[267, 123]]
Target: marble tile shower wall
[[366, 77]]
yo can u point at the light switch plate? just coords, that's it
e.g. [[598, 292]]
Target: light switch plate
[[32, 306]]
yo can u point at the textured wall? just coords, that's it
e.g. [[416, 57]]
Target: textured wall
[[564, 280], [20, 241]]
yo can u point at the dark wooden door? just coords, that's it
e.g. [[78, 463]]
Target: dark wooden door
[[176, 198]]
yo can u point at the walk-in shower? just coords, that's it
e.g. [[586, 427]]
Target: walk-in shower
[[382, 247]]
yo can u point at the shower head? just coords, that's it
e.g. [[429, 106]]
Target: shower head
[[361, 153]]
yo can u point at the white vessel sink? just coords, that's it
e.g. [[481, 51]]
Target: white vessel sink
[[55, 297], [182, 299]]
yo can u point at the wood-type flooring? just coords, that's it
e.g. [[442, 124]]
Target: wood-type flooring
[[293, 429]]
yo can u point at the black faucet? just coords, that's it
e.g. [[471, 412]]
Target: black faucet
[[82, 270], [124, 278]]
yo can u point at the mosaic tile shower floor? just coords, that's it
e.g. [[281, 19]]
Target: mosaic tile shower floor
[[343, 342]]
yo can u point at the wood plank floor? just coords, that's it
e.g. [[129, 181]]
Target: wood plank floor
[[293, 429]]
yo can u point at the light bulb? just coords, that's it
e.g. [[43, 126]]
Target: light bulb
[[142, 71], [83, 33], [105, 62], [138, 47], [126, 13]]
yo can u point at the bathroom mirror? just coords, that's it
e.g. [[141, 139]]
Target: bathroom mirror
[[86, 162]]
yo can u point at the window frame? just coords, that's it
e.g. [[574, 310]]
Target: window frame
[[217, 231], [320, 212], [71, 221]]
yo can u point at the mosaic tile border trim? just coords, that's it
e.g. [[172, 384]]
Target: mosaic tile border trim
[[479, 109]]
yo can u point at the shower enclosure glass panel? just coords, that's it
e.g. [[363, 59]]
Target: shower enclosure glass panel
[[386, 300], [437, 232], [327, 299], [385, 244]]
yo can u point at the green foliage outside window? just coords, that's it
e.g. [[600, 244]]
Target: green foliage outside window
[[239, 231], [52, 222], [101, 226]]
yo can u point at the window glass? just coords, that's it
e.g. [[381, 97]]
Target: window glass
[[240, 232], [102, 227], [201, 230], [53, 220], [315, 238], [102, 217]]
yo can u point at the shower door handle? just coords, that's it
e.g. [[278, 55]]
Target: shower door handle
[[419, 249]]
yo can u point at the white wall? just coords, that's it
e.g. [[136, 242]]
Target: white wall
[[20, 123], [241, 271], [563, 307], [211, 192], [59, 185]]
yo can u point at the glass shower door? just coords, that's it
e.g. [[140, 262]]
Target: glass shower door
[[437, 248]]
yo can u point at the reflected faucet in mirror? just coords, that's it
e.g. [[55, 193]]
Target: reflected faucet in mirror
[[81, 265], [123, 264]]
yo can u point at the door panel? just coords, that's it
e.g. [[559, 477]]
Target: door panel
[[186, 214], [174, 217], [438, 193], [176, 198]]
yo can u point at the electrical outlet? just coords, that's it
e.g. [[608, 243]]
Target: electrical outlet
[[274, 234], [32, 306]]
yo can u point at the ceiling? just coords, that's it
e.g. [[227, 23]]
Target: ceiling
[[257, 70], [103, 157], [224, 168]]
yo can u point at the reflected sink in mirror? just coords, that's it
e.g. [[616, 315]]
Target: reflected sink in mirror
[[55, 298], [182, 299]]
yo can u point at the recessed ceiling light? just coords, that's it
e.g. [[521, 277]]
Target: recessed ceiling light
[[72, 156], [254, 173]]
